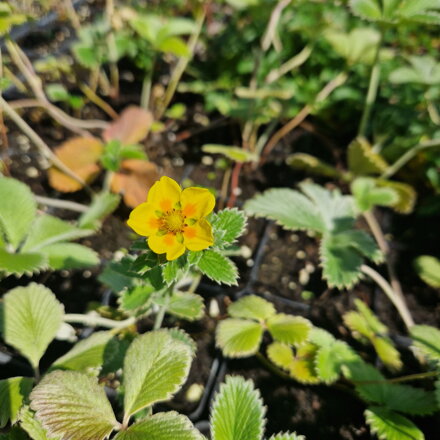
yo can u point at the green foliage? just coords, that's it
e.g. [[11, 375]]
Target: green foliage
[[33, 427], [235, 154], [186, 305], [102, 205], [428, 269], [24, 321], [151, 358], [237, 412], [427, 341], [367, 194], [251, 307], [161, 426], [312, 165], [115, 152], [366, 326], [389, 425], [423, 70], [230, 224], [13, 392], [218, 268], [32, 243], [289, 329], [362, 160], [72, 405]]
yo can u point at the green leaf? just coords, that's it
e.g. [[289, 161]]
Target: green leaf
[[24, 322], [155, 367], [218, 268], [13, 392], [237, 412], [70, 256], [174, 270], [280, 354], [287, 207], [19, 264], [367, 195], [357, 46], [136, 298], [161, 426], [47, 230], [88, 354], [186, 305], [427, 340], [181, 336], [428, 269], [389, 425], [174, 45], [32, 426], [251, 307], [362, 160], [238, 337], [311, 164], [72, 405], [232, 221], [289, 329], [17, 210], [235, 154], [372, 321], [406, 195], [424, 70], [102, 205], [387, 352], [287, 436], [367, 9]]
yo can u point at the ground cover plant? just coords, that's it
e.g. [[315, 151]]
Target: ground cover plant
[[219, 219]]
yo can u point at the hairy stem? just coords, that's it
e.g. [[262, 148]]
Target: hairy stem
[[373, 87], [63, 204], [400, 305], [98, 321]]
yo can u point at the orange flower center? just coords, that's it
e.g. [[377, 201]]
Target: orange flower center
[[172, 221]]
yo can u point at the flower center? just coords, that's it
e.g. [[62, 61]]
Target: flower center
[[173, 221]]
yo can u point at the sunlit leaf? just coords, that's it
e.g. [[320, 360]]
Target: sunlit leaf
[[186, 305], [251, 307], [234, 153], [427, 339], [13, 392], [218, 268], [428, 269], [289, 329]]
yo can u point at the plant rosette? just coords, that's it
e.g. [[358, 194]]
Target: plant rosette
[[174, 220]]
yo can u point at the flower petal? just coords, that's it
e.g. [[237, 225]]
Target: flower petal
[[197, 202], [143, 220], [166, 244], [199, 236], [164, 194]]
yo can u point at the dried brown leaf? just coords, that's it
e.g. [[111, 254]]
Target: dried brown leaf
[[81, 155]]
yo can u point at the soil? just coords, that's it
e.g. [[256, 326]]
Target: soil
[[283, 265]]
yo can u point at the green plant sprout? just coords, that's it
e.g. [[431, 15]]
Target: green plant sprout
[[332, 216], [70, 401], [311, 355]]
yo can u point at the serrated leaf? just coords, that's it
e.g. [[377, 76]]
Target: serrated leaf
[[32, 426], [47, 230], [70, 256], [367, 195], [289, 329], [387, 353], [186, 305], [237, 412], [302, 368], [367, 9], [287, 436], [232, 222], [72, 405], [428, 269], [320, 337], [388, 425], [311, 164], [155, 367], [102, 205], [13, 392], [234, 153], [329, 360], [161, 426], [218, 268], [137, 297], [238, 337], [174, 270], [362, 160], [17, 210], [427, 340], [88, 354], [19, 264], [287, 207], [24, 322], [251, 307], [280, 354], [407, 195], [181, 336]]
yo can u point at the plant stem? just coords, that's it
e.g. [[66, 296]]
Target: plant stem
[[39, 143], [416, 376], [146, 90], [273, 368], [373, 87], [63, 204], [384, 247], [111, 44], [181, 64], [98, 321], [163, 308], [389, 292], [304, 112], [92, 96], [406, 157], [235, 176]]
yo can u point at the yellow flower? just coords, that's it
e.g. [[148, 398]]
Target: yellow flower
[[174, 220]]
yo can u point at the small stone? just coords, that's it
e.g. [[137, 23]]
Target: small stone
[[32, 172], [250, 262], [310, 268], [178, 162], [25, 158], [207, 160], [214, 309], [87, 274], [237, 191], [304, 277], [246, 251], [292, 285], [294, 238], [194, 392], [300, 255]]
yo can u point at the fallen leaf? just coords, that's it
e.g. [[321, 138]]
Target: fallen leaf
[[134, 180], [81, 155], [131, 127]]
